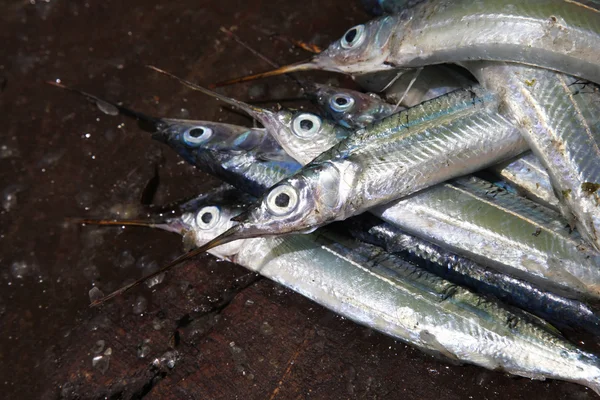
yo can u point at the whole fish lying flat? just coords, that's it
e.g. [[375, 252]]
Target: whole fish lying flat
[[386, 293], [560, 118], [531, 179], [560, 35]]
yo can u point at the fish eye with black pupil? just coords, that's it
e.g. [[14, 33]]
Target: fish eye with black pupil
[[282, 200], [341, 102], [197, 135], [306, 125], [208, 217], [353, 37]]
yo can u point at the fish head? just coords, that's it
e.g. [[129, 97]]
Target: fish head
[[210, 221], [299, 204], [189, 138], [304, 135], [363, 48], [349, 108]]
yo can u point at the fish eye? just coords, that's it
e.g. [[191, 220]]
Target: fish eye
[[341, 102], [208, 217], [282, 200], [197, 135], [306, 125], [353, 37]]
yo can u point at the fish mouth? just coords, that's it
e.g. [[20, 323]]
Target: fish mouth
[[262, 115], [306, 65], [234, 233]]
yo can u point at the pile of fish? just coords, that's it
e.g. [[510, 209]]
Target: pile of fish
[[468, 188]]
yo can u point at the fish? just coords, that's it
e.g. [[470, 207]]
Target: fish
[[384, 292], [259, 161], [561, 35], [559, 116], [530, 178], [502, 231], [557, 310]]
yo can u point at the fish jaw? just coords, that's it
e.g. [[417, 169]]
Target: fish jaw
[[368, 53]]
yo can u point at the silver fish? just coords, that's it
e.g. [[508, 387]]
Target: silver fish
[[561, 35], [531, 242], [560, 118], [531, 179], [505, 232], [384, 292], [248, 158]]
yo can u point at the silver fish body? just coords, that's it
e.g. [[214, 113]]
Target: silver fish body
[[554, 34], [530, 178], [560, 118], [384, 292], [505, 232]]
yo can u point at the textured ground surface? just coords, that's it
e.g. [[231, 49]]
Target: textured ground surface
[[210, 330]]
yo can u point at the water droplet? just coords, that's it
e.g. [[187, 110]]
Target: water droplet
[[101, 362], [9, 197], [98, 347], [126, 259], [20, 269], [169, 359], [155, 280], [95, 294], [143, 349], [140, 305], [184, 113]]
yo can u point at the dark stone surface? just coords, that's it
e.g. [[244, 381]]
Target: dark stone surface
[[228, 333]]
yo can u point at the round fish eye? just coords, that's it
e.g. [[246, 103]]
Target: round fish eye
[[353, 37], [208, 217], [197, 135], [282, 200], [306, 125], [341, 102]]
